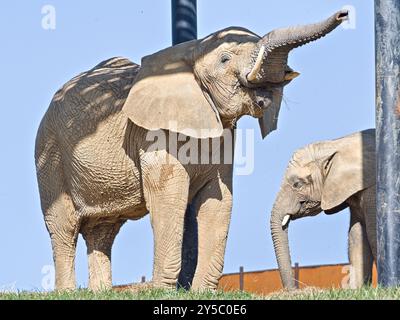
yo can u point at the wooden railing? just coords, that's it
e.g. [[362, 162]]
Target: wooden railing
[[268, 281]]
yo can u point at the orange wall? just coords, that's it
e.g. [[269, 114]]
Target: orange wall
[[265, 282]]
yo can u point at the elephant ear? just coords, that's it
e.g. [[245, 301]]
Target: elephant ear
[[166, 95], [348, 168]]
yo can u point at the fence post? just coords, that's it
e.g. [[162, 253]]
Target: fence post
[[296, 275], [241, 278]]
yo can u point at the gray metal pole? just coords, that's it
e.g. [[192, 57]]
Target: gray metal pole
[[184, 28], [184, 20], [387, 34]]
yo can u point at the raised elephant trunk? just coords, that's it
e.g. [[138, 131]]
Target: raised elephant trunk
[[270, 58], [279, 231]]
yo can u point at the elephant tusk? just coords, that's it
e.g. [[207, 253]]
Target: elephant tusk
[[285, 220], [252, 76], [291, 75]]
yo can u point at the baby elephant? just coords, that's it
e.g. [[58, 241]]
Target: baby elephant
[[330, 176]]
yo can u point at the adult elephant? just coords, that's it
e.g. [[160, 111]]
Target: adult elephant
[[96, 161], [330, 176]]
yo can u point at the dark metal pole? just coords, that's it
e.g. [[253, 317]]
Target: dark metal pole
[[184, 28], [387, 34], [184, 20]]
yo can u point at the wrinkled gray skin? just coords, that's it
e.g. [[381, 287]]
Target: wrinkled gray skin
[[330, 176], [95, 168]]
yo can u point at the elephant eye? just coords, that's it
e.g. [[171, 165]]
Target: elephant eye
[[298, 184], [225, 58]]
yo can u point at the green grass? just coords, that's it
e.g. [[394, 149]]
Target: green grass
[[366, 293], [148, 294]]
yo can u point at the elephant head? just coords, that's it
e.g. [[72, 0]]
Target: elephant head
[[201, 87], [320, 177]]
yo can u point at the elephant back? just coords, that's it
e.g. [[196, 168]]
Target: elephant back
[[92, 99]]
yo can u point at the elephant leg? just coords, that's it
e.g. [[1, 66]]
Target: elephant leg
[[99, 239], [166, 192], [360, 255], [63, 226], [368, 205], [214, 205]]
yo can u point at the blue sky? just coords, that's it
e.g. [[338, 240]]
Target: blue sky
[[333, 97]]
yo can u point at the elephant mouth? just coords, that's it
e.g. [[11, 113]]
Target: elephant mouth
[[266, 96], [261, 106], [308, 209], [263, 100]]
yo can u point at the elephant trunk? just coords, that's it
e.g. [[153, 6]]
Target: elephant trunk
[[270, 57], [279, 231]]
